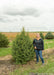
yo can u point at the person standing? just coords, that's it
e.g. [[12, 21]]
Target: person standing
[[38, 44]]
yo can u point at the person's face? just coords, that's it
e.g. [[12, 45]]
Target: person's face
[[37, 35]]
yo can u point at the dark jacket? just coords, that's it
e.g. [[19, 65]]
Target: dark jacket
[[39, 44]]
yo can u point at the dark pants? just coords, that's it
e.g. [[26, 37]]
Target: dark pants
[[39, 53]]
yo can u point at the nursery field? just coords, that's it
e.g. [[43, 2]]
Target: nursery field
[[31, 68]]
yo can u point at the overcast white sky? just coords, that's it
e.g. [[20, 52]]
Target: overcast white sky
[[34, 15]]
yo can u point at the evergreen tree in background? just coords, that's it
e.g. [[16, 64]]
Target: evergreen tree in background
[[41, 35], [49, 35], [3, 40]]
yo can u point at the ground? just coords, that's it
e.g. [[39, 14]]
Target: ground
[[7, 67]]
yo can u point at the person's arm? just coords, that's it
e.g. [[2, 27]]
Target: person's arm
[[34, 44], [42, 44]]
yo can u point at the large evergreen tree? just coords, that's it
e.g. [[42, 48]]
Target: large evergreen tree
[[22, 48]]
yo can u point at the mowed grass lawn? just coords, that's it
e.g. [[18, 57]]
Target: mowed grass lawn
[[7, 51]]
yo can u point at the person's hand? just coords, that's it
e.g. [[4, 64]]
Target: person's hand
[[35, 47], [43, 50]]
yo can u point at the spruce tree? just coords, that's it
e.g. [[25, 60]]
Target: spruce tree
[[3, 40], [22, 48]]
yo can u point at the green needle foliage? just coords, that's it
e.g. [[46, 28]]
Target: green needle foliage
[[3, 40], [22, 48], [41, 34], [49, 35]]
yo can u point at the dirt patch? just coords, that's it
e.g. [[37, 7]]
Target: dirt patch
[[49, 42], [7, 65], [47, 51], [8, 57]]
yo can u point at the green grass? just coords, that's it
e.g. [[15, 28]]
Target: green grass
[[10, 44], [5, 51], [48, 43]]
